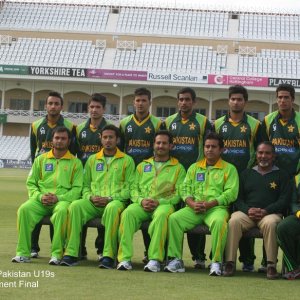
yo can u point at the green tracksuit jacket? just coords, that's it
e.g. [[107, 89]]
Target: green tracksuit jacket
[[162, 185], [219, 182]]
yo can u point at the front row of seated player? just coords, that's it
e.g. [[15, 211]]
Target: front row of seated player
[[208, 188]]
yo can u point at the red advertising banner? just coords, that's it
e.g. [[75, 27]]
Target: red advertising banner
[[242, 80]]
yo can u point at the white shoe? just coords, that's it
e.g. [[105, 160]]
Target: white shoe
[[174, 266], [215, 269], [124, 265], [152, 266], [20, 259], [54, 261], [34, 254]]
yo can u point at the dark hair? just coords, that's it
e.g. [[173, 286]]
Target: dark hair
[[214, 136], [61, 129], [286, 87], [97, 97], [238, 89], [187, 90], [164, 132], [113, 128], [57, 95], [267, 143], [142, 91]]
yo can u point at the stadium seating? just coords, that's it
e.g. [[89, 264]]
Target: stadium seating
[[173, 22], [52, 53], [272, 62], [170, 57], [14, 147], [55, 17], [269, 26]]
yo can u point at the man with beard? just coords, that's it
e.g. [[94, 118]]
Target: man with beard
[[41, 142], [263, 198], [154, 195], [54, 181], [189, 129]]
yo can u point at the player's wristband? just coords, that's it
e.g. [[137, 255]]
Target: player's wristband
[[298, 214]]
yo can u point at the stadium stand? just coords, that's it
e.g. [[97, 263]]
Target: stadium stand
[[173, 22], [272, 62], [51, 52], [170, 57], [14, 147], [53, 16], [269, 26]]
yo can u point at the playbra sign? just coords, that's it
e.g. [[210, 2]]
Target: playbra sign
[[242, 80]]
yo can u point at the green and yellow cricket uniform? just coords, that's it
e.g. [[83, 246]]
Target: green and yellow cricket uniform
[[62, 177], [104, 177], [205, 183], [159, 181], [188, 140], [188, 137], [240, 140], [88, 139], [285, 136], [288, 230], [41, 136], [137, 138]]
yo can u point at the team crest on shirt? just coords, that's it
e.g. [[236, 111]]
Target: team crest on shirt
[[291, 128], [224, 128], [147, 168], [173, 126], [274, 127], [148, 130], [42, 130], [243, 129], [273, 185], [99, 167], [192, 126], [48, 167], [83, 134], [129, 128], [200, 176]]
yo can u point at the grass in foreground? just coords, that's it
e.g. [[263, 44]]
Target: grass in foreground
[[87, 281]]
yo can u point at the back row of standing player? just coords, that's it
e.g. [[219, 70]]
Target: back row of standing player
[[241, 134]]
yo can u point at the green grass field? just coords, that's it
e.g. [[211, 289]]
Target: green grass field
[[87, 281]]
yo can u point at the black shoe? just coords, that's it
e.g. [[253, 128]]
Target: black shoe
[[69, 261], [106, 263]]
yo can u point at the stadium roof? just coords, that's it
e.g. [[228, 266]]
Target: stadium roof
[[266, 6]]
